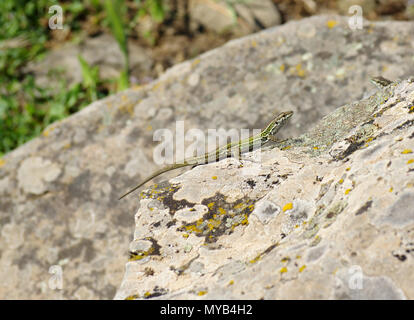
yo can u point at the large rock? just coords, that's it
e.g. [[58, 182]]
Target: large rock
[[327, 215], [61, 223]]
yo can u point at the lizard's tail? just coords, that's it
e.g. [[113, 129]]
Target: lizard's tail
[[157, 173]]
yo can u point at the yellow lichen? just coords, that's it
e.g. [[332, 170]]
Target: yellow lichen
[[302, 268], [195, 62], [192, 228], [137, 257], [299, 71], [410, 161], [231, 282], [283, 270], [288, 206], [331, 23], [347, 191], [256, 259], [210, 205], [239, 205], [155, 86], [2, 162], [201, 293], [212, 224], [47, 131], [406, 151], [214, 177]]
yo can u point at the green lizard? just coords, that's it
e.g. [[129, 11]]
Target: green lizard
[[228, 150]]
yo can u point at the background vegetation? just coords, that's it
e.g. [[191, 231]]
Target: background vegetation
[[25, 108]]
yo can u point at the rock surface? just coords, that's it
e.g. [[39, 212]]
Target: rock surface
[[102, 51], [58, 193], [240, 18], [328, 215]]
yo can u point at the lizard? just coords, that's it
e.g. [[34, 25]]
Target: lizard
[[380, 82], [267, 134]]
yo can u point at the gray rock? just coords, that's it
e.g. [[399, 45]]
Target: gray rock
[[346, 247], [311, 66], [102, 51]]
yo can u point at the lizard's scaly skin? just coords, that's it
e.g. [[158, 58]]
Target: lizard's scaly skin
[[228, 150]]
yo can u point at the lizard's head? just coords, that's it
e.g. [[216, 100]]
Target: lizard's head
[[278, 122]]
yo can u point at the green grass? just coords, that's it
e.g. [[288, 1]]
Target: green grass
[[25, 108]]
